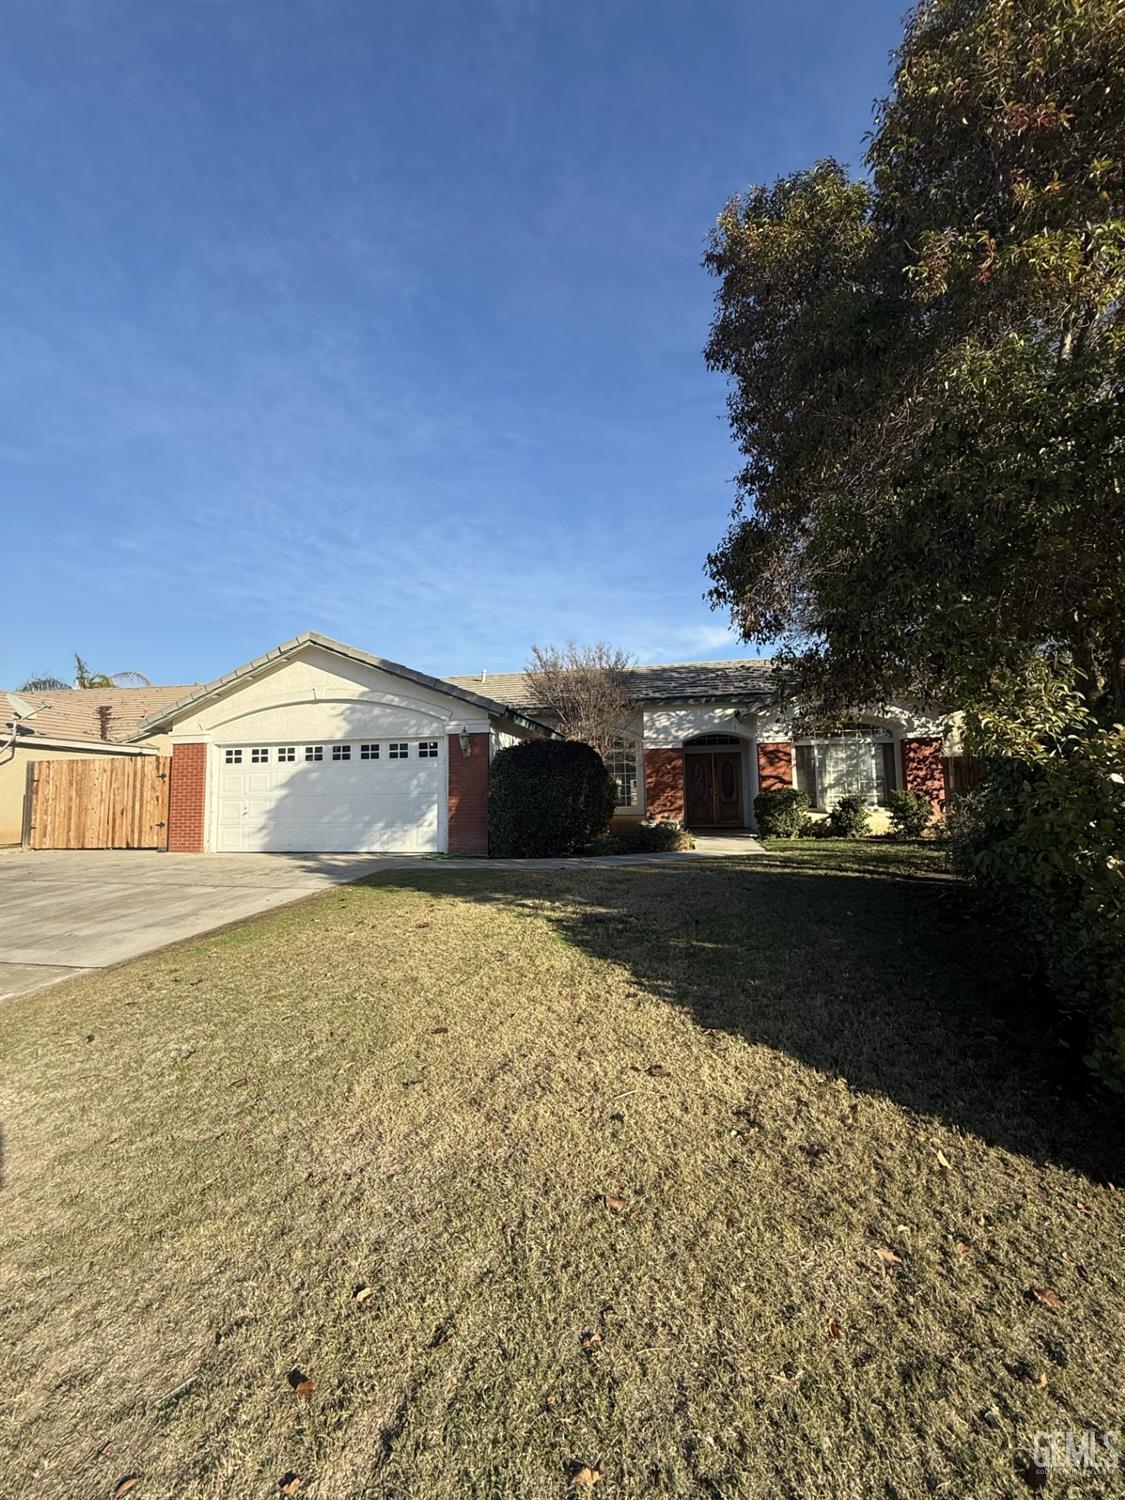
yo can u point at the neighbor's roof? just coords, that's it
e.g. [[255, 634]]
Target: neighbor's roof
[[491, 705], [72, 713], [668, 682]]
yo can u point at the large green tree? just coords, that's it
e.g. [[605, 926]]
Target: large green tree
[[928, 380]]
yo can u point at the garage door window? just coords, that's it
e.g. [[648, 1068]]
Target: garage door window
[[286, 752], [260, 755], [398, 750], [369, 752], [233, 757], [427, 749], [341, 752], [314, 752]]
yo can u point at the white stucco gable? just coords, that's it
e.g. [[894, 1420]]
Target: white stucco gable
[[316, 695]]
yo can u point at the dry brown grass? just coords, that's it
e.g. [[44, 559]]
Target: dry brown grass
[[429, 1089]]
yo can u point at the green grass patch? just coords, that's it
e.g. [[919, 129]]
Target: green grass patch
[[836, 1175]]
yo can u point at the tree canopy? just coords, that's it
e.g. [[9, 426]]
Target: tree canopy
[[928, 380]]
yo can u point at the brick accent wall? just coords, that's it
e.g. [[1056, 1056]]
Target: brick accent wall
[[468, 796], [922, 769], [187, 799], [775, 765], [664, 784]]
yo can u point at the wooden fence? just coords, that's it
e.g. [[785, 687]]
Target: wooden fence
[[103, 802]]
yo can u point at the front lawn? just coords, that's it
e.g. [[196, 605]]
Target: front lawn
[[741, 1178]]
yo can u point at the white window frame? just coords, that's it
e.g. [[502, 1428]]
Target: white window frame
[[626, 749], [232, 756], [823, 794]]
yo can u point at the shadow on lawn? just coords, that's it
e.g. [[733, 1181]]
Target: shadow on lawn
[[877, 977]]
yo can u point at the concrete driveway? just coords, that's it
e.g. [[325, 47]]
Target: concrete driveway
[[63, 912]]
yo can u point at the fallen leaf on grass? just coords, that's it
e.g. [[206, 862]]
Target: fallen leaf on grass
[[240, 1083], [1048, 1297], [616, 1205], [1033, 1475], [440, 1031], [790, 1382], [658, 1070], [586, 1476], [290, 1483], [834, 1329], [362, 1293], [124, 1485], [301, 1384], [888, 1257], [590, 1340], [963, 1247], [943, 1161]]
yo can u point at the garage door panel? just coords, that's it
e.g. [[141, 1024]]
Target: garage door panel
[[331, 806]]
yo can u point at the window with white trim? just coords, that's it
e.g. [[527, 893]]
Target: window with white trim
[[862, 764], [341, 752], [314, 752], [398, 750], [286, 752], [427, 749], [259, 755], [233, 757], [622, 766], [369, 752]]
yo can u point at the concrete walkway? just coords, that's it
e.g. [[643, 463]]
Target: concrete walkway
[[64, 912]]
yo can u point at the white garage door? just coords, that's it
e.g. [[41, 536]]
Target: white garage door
[[368, 796]]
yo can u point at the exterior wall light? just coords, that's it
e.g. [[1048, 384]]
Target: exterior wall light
[[465, 743]]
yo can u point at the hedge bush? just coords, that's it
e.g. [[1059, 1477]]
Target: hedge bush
[[781, 813], [849, 819], [546, 798], [1044, 843], [911, 813], [663, 836]]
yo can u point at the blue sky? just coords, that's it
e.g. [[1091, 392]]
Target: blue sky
[[382, 318]]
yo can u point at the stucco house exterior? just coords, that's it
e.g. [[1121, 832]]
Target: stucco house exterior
[[318, 746]]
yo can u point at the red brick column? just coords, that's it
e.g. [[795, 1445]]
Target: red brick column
[[775, 765], [468, 795], [187, 798], [664, 784], [922, 769]]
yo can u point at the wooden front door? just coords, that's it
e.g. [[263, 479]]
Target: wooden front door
[[713, 789]]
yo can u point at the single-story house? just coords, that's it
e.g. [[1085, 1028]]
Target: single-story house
[[318, 747], [68, 724]]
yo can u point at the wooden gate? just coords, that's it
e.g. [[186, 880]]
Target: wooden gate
[[104, 802]]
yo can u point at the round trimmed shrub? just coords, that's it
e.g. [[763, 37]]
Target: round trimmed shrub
[[911, 813], [546, 798], [781, 813], [850, 818]]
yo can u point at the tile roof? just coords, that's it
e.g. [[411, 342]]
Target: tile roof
[[491, 704], [73, 713], [647, 684]]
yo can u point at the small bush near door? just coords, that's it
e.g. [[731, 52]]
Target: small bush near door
[[911, 813], [546, 798], [850, 818], [781, 813]]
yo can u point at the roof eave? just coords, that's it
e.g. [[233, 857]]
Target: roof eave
[[264, 663]]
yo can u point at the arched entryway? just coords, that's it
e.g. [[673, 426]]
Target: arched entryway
[[713, 782]]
